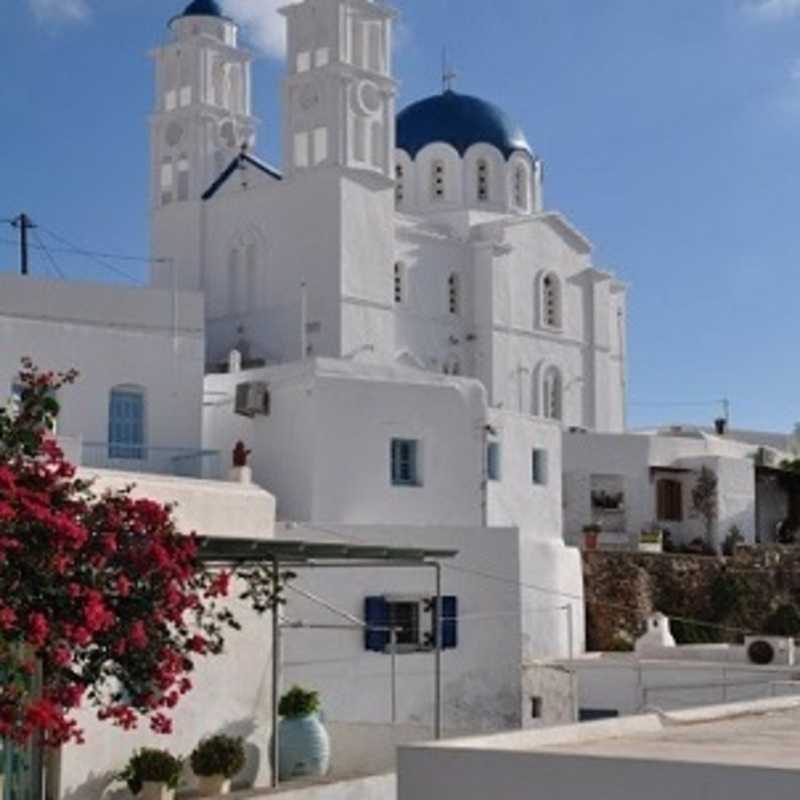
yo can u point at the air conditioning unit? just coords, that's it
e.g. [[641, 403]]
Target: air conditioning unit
[[253, 399], [770, 650]]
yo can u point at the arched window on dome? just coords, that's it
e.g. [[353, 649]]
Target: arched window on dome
[[453, 294], [482, 180], [399, 283], [521, 192], [551, 303], [552, 394], [438, 186], [400, 185]]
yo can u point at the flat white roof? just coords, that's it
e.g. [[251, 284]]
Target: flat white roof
[[764, 733]]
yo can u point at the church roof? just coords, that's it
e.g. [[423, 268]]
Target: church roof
[[241, 160], [202, 8], [460, 120]]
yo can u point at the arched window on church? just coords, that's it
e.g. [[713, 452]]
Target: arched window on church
[[183, 179], [399, 186], [521, 188], [482, 179], [552, 394], [453, 294], [167, 180], [399, 283], [551, 311], [233, 282], [438, 181]]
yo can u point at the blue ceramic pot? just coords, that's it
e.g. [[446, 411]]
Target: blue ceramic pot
[[304, 748]]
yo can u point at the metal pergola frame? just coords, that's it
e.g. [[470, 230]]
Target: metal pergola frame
[[296, 555]]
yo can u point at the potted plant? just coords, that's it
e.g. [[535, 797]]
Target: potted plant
[[153, 773], [303, 744], [651, 541], [591, 535], [215, 761]]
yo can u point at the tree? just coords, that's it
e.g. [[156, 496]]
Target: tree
[[100, 595], [705, 498]]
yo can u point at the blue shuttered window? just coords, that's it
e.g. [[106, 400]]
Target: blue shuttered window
[[415, 635], [449, 623], [126, 437], [376, 615]]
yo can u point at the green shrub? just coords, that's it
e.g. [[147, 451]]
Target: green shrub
[[150, 765], [784, 621], [218, 755], [298, 702]]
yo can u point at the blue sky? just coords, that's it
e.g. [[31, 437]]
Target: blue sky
[[668, 128]]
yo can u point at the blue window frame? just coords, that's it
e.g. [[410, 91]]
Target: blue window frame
[[126, 422], [414, 620], [405, 467], [539, 467], [493, 461]]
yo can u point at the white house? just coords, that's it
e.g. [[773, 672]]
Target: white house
[[633, 481], [137, 402], [391, 454]]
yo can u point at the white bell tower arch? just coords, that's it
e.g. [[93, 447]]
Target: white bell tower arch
[[339, 95], [201, 118]]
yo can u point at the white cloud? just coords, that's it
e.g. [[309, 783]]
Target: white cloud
[[60, 10], [773, 9], [261, 23]]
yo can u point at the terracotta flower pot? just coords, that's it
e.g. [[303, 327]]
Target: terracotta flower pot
[[213, 785], [591, 540]]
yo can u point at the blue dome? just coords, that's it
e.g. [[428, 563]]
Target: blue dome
[[459, 120], [202, 8]]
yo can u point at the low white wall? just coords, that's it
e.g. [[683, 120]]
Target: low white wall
[[209, 508], [632, 687], [232, 692]]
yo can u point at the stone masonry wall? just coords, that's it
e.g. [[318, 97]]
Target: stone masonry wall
[[735, 596]]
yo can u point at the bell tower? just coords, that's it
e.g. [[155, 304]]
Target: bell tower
[[338, 95], [201, 119]]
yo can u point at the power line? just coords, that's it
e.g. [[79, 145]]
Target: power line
[[49, 255], [97, 253], [97, 259]]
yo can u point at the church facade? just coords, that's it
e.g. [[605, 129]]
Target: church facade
[[418, 239]]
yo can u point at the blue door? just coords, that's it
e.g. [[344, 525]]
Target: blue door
[[18, 771]]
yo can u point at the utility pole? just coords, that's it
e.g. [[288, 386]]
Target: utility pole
[[24, 223]]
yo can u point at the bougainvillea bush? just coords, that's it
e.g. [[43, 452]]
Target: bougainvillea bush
[[103, 603]]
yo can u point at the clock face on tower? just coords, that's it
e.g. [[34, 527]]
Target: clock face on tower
[[173, 133]]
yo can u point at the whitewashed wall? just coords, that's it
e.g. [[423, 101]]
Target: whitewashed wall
[[112, 336], [232, 692]]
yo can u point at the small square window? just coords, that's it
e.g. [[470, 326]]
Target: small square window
[[405, 466], [322, 56], [536, 707], [303, 61], [170, 100], [493, 461], [539, 467]]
